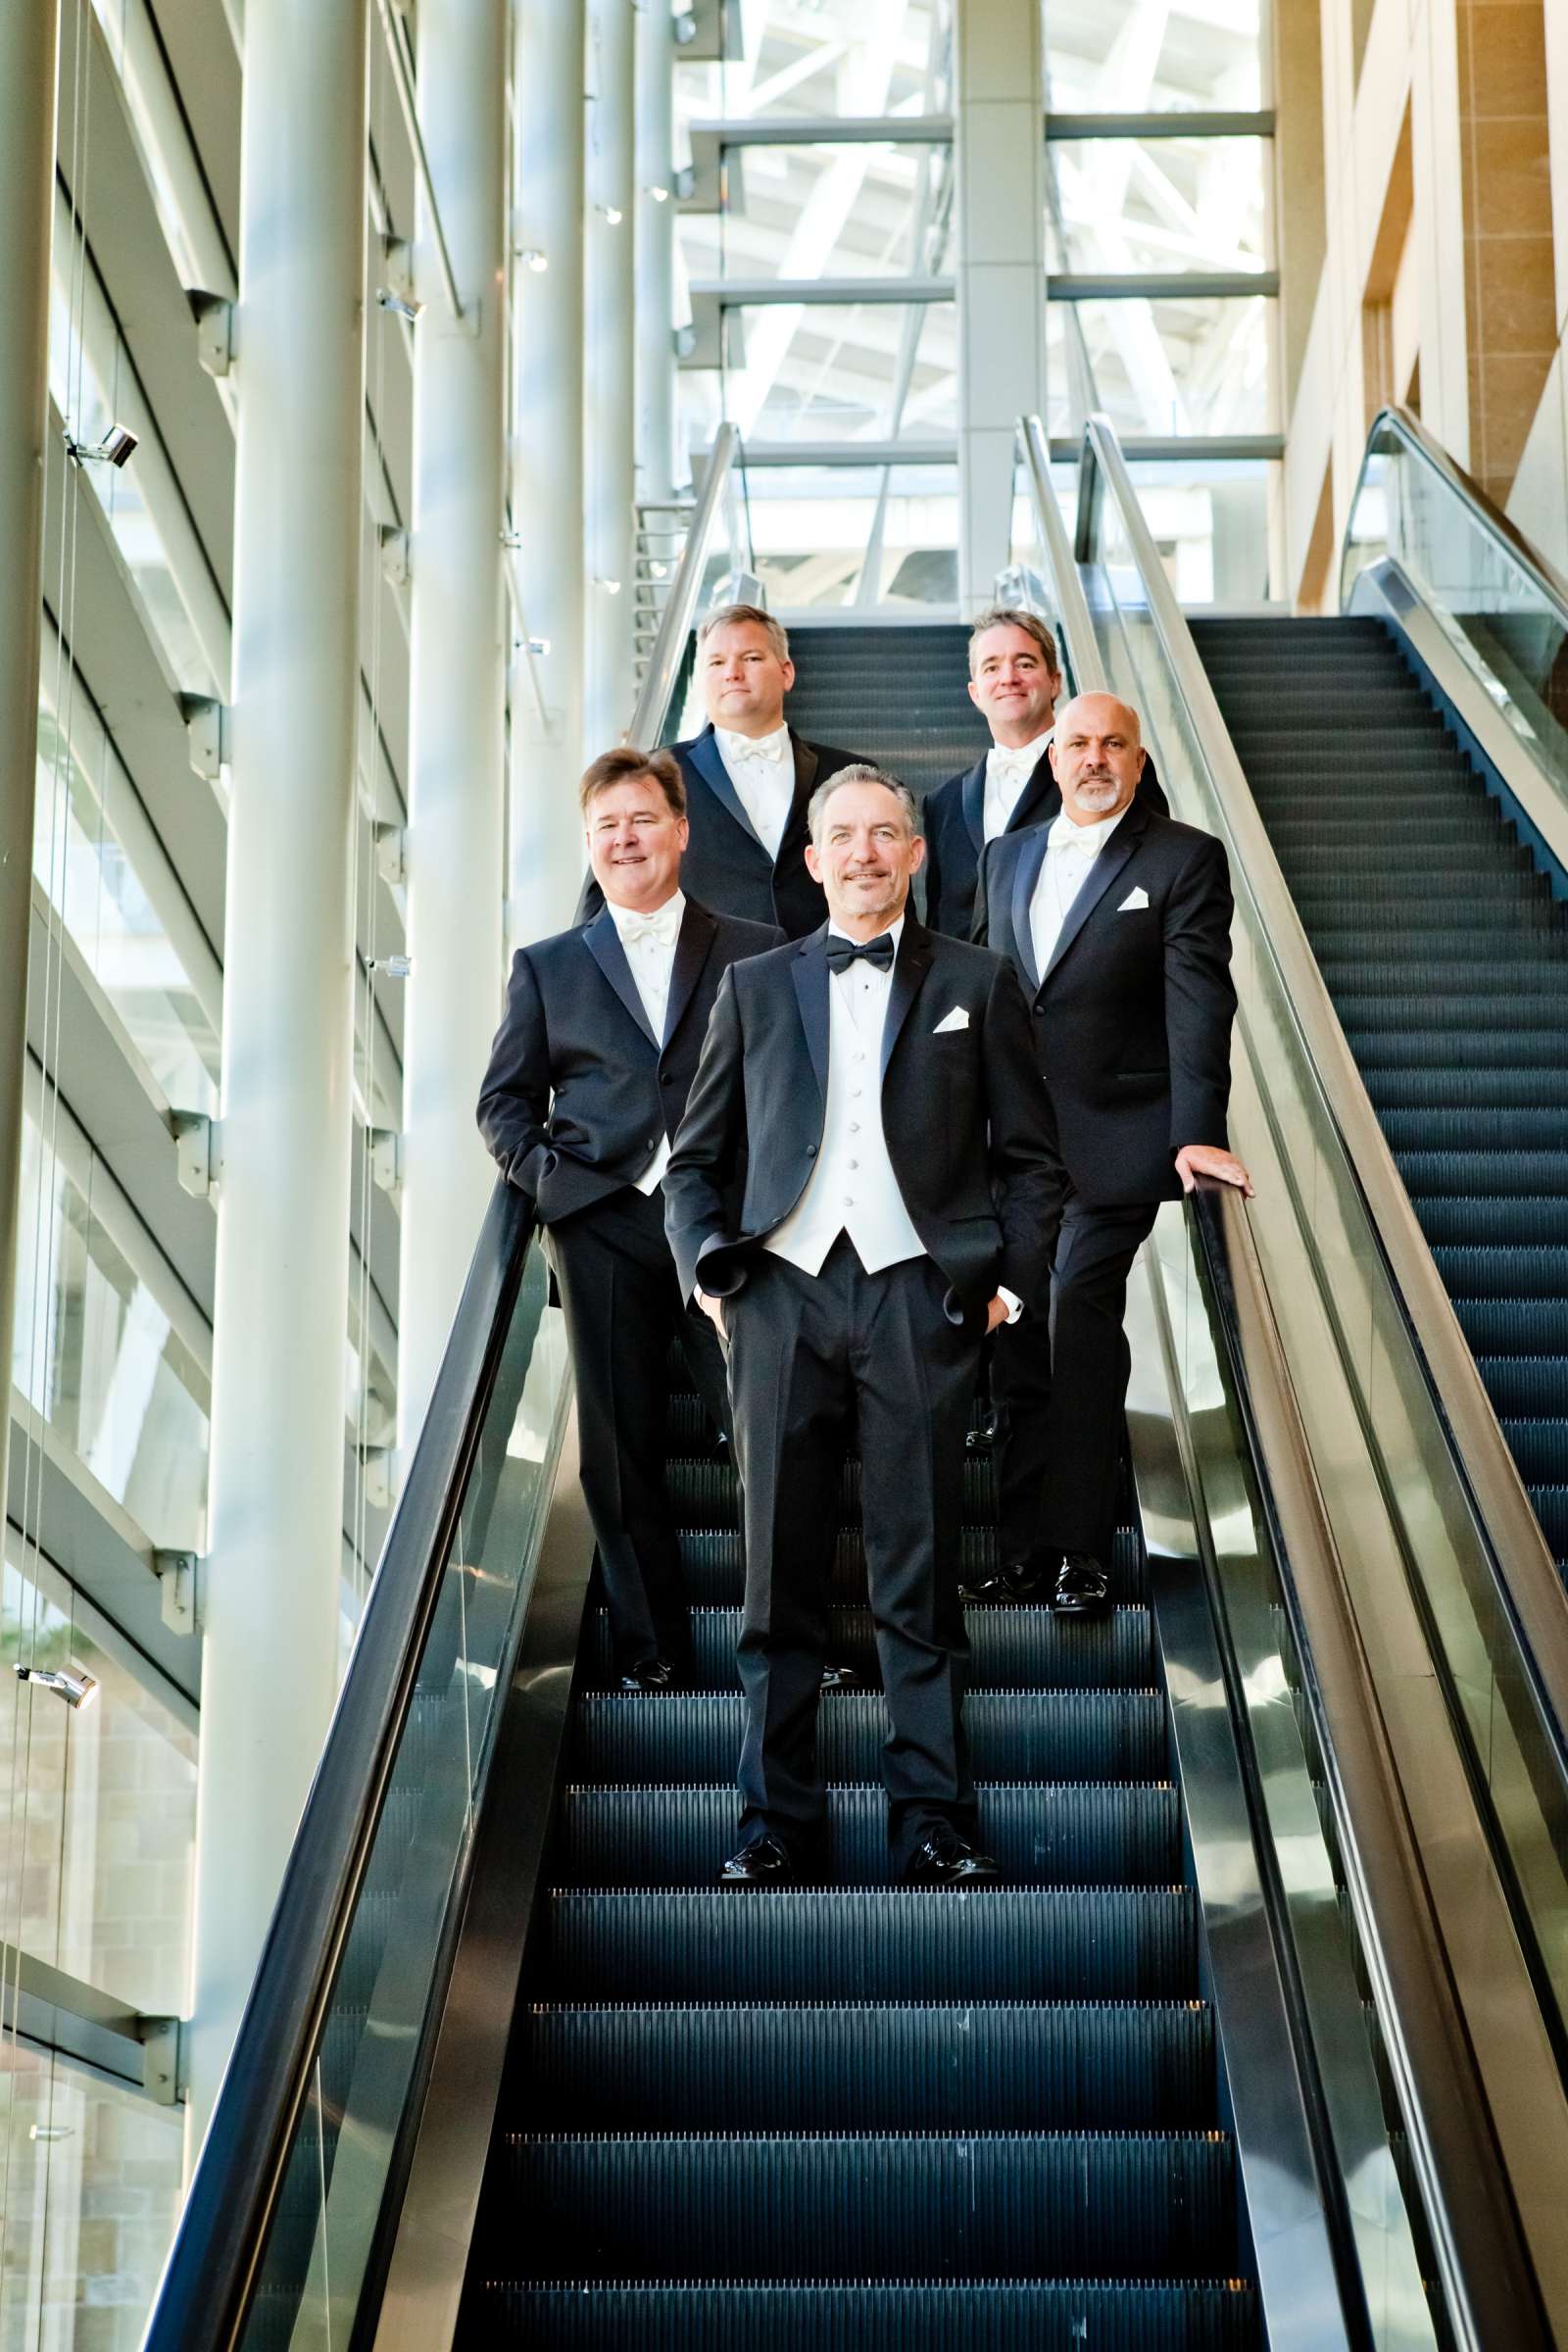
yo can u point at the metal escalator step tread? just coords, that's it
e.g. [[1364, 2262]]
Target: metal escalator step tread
[[1424, 865], [852, 2204], [1534, 1075], [872, 1944], [1479, 1171], [1532, 1135], [708, 1493], [1434, 1053], [894, 2315], [1539, 1446], [1526, 1384], [1099, 1834], [911, 2065], [1466, 983], [1510, 1223], [1523, 1274], [1011, 1649], [1549, 1502], [1496, 1324], [1479, 923], [713, 1559], [1532, 1008], [1012, 1734]]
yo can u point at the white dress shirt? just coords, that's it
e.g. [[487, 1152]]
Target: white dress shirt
[[1007, 771], [1070, 853], [649, 940], [852, 1188], [762, 769]]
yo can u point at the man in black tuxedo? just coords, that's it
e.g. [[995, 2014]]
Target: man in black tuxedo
[[1014, 679], [587, 1081], [749, 777], [1119, 920], [877, 1085]]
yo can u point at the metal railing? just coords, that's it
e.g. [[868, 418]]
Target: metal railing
[[722, 502]]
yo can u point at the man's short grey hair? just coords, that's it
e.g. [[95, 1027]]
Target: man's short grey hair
[[728, 617], [1014, 617], [860, 772]]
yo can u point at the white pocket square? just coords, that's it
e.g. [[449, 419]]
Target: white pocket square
[[958, 1018], [1134, 898]]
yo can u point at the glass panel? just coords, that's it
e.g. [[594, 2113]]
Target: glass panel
[[1160, 204], [1181, 364], [820, 530], [1210, 525], [1117, 56], [109, 916], [96, 1353], [97, 1862], [92, 2184], [859, 211], [835, 60], [1510, 633], [345, 2142], [830, 372], [1329, 1285]]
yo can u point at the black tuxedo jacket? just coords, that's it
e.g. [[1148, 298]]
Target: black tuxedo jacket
[[579, 1089], [955, 834], [727, 865], [1132, 1019], [962, 1111]]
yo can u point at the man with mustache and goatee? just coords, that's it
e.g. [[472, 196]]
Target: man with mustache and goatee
[[1118, 921]]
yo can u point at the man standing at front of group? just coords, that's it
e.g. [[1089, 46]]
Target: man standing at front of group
[[1118, 921], [749, 778], [877, 1085], [587, 1081]]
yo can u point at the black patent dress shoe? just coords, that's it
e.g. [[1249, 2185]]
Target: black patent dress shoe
[[984, 1431], [1014, 1580], [840, 1678], [947, 1858], [649, 1674], [765, 1862], [1081, 1588]]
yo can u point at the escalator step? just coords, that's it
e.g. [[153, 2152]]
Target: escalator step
[[988, 2204], [916, 2066], [1539, 1446], [943, 2314], [1441, 1056], [706, 1494], [872, 1944], [1509, 1326], [1472, 919], [1526, 1384], [1460, 869], [1524, 1274], [1515, 1222], [1551, 1504], [1516, 1175], [1532, 1009], [1011, 1649], [1102, 1833], [1013, 1734], [1530, 1134], [1514, 1086], [713, 1560]]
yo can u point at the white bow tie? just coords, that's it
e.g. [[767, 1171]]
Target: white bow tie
[[747, 747], [1084, 839], [664, 927], [1013, 763]]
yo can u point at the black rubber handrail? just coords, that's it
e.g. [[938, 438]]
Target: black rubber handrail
[[1543, 577], [203, 2295]]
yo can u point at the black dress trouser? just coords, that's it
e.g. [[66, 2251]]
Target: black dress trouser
[[621, 1298], [812, 1360], [1082, 1428]]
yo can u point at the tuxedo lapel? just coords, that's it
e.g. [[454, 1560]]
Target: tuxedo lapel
[[603, 942], [1025, 874], [705, 757], [972, 801], [1041, 785], [909, 970], [809, 973], [1101, 873], [806, 768], [697, 931]]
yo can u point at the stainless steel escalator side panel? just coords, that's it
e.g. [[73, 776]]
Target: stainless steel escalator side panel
[[429, 2259], [1193, 1502]]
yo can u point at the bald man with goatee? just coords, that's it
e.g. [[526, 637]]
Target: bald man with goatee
[[1118, 921]]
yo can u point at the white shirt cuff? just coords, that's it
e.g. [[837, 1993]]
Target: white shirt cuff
[[1010, 1300]]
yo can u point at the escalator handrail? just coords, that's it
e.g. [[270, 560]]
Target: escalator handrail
[[1072, 608], [1544, 577], [222, 2235], [1522, 1558], [680, 606], [1479, 2241]]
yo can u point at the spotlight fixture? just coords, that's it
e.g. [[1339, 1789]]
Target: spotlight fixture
[[533, 644], [114, 449], [77, 1689], [659, 195], [609, 587], [400, 305], [536, 260], [610, 213]]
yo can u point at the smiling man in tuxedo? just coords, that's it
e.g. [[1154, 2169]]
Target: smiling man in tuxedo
[[749, 778], [875, 1088], [1014, 679], [1119, 922], [587, 1081]]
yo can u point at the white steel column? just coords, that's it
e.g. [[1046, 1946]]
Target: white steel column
[[611, 389], [271, 1591], [655, 250], [545, 856], [998, 134], [457, 814], [27, 59]]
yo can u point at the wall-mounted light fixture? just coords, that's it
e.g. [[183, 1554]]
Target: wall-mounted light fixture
[[114, 449], [77, 1689]]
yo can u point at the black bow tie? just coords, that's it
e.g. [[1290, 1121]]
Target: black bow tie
[[841, 953]]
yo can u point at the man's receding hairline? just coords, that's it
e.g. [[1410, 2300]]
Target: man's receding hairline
[[1094, 695]]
